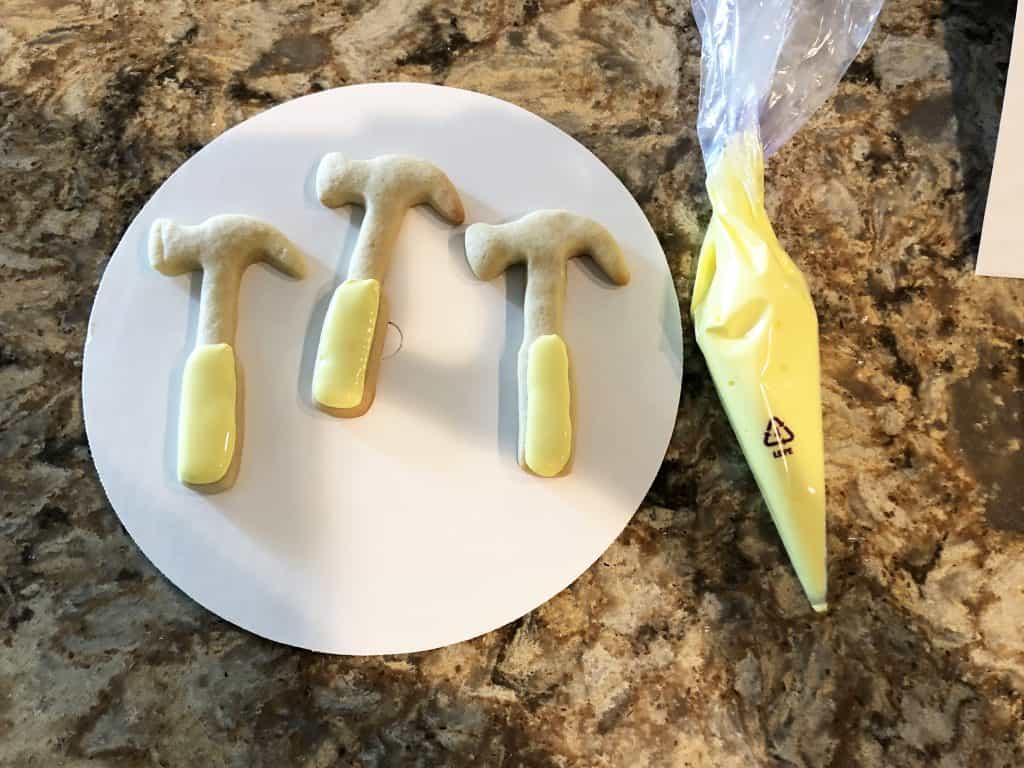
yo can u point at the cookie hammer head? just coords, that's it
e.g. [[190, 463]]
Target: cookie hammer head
[[222, 247], [544, 240], [388, 180], [221, 241]]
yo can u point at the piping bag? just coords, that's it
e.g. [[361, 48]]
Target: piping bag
[[766, 65]]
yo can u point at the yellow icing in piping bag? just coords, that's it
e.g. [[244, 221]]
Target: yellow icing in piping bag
[[756, 325], [765, 67]]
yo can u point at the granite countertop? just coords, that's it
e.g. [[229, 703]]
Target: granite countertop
[[689, 643]]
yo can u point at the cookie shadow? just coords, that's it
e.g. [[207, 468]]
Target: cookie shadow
[[671, 322], [508, 366], [309, 195], [173, 405]]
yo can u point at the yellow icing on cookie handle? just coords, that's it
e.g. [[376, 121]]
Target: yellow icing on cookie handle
[[206, 427], [548, 440], [339, 378], [756, 325]]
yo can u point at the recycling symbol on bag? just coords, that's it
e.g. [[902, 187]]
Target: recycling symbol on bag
[[777, 433]]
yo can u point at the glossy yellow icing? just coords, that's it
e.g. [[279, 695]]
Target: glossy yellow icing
[[339, 376], [548, 439], [206, 427]]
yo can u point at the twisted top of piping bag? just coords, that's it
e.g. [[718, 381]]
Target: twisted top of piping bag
[[767, 65]]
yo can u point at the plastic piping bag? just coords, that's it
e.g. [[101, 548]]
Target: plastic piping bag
[[766, 65]]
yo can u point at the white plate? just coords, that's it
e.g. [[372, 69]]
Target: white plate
[[411, 527]]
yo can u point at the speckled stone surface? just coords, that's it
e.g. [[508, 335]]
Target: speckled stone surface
[[689, 642]]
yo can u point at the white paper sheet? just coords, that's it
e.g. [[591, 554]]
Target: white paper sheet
[[1001, 253]]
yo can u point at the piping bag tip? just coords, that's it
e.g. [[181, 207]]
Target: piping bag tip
[[821, 607]]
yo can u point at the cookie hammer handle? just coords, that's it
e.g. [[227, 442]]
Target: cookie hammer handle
[[371, 256], [345, 358], [547, 438], [207, 428]]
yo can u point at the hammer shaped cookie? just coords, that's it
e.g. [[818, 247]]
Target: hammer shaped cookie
[[348, 357], [222, 247], [545, 241]]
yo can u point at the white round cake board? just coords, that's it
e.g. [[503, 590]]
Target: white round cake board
[[411, 527]]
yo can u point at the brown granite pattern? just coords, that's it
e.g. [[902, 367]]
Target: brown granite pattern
[[689, 643]]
